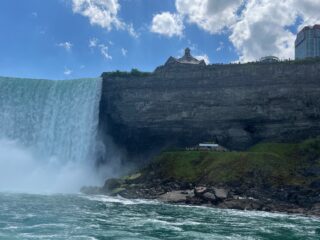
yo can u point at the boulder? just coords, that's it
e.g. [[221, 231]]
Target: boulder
[[208, 196], [199, 191], [312, 172], [221, 193], [315, 184], [241, 204], [176, 196]]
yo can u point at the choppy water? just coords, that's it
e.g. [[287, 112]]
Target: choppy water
[[24, 216]]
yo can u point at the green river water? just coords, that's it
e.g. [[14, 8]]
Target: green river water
[[26, 216]]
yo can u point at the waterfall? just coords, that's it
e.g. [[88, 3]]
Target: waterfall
[[48, 132]]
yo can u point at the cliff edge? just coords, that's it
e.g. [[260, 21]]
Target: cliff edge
[[235, 105]]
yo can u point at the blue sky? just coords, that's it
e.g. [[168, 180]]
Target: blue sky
[[60, 39]]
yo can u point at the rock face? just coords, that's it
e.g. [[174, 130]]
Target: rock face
[[235, 105], [176, 196]]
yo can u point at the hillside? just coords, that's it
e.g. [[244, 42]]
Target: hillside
[[268, 176]]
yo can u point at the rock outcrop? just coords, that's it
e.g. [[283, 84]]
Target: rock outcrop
[[235, 105]]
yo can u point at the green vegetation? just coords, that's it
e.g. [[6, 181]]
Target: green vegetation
[[132, 177], [133, 73], [272, 163], [284, 61]]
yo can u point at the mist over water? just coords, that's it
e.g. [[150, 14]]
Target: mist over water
[[48, 134]]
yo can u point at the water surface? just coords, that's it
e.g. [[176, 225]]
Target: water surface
[[25, 216]]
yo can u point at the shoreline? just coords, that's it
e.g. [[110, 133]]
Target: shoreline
[[211, 197], [272, 177]]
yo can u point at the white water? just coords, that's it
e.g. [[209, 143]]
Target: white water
[[48, 134]]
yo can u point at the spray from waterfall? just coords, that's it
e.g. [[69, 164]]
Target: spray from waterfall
[[48, 134]]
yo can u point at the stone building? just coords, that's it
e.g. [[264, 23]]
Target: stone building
[[186, 59], [307, 44]]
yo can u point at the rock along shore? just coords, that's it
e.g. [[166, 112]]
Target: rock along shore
[[286, 200], [275, 177]]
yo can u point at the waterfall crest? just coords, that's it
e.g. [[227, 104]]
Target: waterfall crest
[[49, 128]]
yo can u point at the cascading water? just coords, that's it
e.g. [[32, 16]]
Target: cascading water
[[48, 132]]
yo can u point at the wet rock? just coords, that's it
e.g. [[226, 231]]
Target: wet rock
[[312, 172], [199, 191], [176, 196], [315, 184], [220, 193], [117, 191], [112, 184], [241, 204], [208, 196], [194, 200]]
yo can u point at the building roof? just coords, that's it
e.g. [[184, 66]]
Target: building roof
[[316, 26], [269, 59], [186, 59]]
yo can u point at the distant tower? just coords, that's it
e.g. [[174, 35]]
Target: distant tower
[[187, 52], [307, 44]]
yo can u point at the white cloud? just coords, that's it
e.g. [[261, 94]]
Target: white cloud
[[93, 42], [262, 30], [256, 28], [263, 27], [167, 24], [67, 71], [100, 12], [204, 57], [66, 45], [103, 13], [104, 50], [221, 46], [34, 14], [211, 15], [132, 31], [124, 51]]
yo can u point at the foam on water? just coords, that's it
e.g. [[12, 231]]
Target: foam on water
[[26, 216], [119, 199]]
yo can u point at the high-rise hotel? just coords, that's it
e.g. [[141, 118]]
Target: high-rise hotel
[[307, 44]]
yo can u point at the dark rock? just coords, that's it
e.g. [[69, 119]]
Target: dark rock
[[241, 204], [112, 184], [315, 184], [312, 172], [199, 191], [194, 200], [210, 197], [184, 105]]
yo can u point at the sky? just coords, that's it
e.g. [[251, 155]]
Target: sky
[[65, 39]]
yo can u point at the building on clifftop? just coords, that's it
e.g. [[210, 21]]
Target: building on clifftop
[[307, 44], [186, 59]]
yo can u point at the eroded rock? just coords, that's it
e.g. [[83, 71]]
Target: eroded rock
[[176, 196]]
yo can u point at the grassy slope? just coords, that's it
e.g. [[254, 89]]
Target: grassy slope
[[275, 163]]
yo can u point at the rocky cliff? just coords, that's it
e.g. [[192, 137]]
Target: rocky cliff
[[236, 105]]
